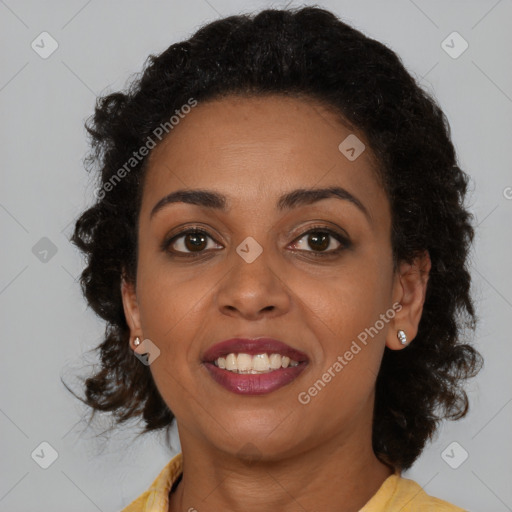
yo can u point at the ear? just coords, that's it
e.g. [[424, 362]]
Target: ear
[[409, 290], [131, 309]]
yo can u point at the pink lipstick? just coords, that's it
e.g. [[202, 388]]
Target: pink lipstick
[[258, 382]]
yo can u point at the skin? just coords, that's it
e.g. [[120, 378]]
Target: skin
[[305, 457]]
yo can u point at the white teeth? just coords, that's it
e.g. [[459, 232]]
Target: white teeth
[[259, 363], [231, 362], [275, 361], [244, 362]]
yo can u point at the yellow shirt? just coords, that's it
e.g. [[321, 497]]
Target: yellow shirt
[[396, 494]]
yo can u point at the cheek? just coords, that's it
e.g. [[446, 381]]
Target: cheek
[[169, 305], [345, 316], [168, 294], [348, 354], [350, 299]]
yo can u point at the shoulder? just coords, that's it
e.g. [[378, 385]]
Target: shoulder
[[405, 495], [411, 497], [156, 498]]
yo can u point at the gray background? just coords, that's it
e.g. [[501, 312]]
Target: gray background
[[46, 328]]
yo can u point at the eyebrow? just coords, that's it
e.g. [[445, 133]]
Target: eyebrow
[[288, 201]]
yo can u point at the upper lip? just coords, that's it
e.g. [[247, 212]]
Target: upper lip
[[252, 346]]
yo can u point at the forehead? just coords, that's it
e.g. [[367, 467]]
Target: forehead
[[255, 148]]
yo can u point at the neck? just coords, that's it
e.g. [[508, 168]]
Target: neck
[[322, 478]]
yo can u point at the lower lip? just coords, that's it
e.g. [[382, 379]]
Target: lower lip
[[254, 384]]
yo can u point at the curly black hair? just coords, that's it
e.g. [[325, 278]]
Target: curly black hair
[[309, 53]]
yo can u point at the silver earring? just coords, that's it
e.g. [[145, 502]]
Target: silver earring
[[402, 337], [136, 341]]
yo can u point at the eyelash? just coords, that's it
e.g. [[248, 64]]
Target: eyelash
[[344, 241]]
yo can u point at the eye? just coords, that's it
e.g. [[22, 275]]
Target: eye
[[320, 239], [195, 242], [191, 242]]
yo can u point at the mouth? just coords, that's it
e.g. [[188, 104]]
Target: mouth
[[254, 366]]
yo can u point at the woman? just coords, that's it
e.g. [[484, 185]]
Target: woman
[[279, 249]]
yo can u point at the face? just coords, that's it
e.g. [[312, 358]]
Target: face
[[314, 272]]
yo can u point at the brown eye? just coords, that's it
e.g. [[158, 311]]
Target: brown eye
[[192, 241], [319, 240], [195, 242], [322, 242]]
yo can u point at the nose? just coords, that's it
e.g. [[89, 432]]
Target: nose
[[253, 290]]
